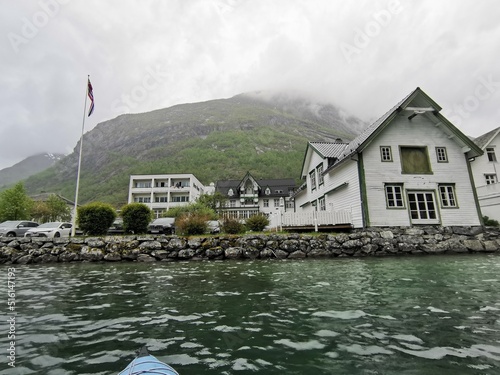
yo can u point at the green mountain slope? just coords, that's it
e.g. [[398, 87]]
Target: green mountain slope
[[218, 139]]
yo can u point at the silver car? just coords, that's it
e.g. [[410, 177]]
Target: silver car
[[16, 228], [50, 230]]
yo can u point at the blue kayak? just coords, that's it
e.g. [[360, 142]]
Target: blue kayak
[[146, 364]]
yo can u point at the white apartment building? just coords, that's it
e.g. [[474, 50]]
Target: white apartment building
[[162, 192]]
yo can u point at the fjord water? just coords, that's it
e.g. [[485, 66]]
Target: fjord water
[[415, 315]]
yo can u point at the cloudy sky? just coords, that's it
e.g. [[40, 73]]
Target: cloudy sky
[[363, 56]]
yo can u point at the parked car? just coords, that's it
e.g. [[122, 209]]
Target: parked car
[[162, 225], [213, 226], [15, 228], [51, 230], [116, 227]]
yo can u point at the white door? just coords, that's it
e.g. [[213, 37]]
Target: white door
[[422, 206]]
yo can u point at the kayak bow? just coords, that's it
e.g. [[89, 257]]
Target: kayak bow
[[146, 364]]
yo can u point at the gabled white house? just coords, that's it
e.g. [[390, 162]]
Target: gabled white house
[[250, 196], [485, 169], [410, 167]]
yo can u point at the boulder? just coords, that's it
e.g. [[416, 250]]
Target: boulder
[[233, 252], [145, 258]]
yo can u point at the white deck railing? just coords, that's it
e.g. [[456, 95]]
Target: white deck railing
[[316, 218]]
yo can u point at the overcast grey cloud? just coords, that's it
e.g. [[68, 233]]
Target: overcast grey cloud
[[363, 56]]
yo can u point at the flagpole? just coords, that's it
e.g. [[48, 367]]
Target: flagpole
[[73, 219]]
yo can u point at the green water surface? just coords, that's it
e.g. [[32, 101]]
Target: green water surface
[[413, 315]]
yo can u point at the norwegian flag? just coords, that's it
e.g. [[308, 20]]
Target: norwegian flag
[[91, 97]]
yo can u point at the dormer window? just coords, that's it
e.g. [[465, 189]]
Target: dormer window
[[230, 192], [268, 191]]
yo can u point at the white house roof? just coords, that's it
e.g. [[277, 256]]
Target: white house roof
[[414, 102], [484, 140], [327, 150]]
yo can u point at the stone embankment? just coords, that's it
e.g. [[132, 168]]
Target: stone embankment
[[357, 243]]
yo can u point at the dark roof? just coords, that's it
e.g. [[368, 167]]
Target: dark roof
[[283, 184], [485, 139]]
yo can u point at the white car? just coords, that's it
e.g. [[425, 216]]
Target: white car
[[51, 230]]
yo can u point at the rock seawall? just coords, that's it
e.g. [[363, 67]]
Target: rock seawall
[[365, 242]]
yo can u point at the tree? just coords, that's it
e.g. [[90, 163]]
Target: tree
[[195, 208], [192, 224], [95, 218], [136, 217], [53, 209], [15, 204], [214, 201]]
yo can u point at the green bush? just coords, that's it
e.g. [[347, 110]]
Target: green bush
[[188, 225], [232, 226], [257, 223], [95, 218], [195, 208], [490, 222], [136, 218]]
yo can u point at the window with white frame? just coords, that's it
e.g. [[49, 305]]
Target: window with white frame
[[276, 202], [394, 195], [322, 204], [491, 178], [232, 203], [441, 155], [312, 177], [490, 151], [447, 194], [266, 202], [385, 153], [319, 171]]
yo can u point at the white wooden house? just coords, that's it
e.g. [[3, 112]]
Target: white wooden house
[[485, 169], [250, 196], [410, 167]]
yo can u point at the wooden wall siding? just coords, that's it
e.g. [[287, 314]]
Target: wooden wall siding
[[481, 165], [345, 198], [300, 199], [315, 161], [489, 200], [310, 195], [418, 132]]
